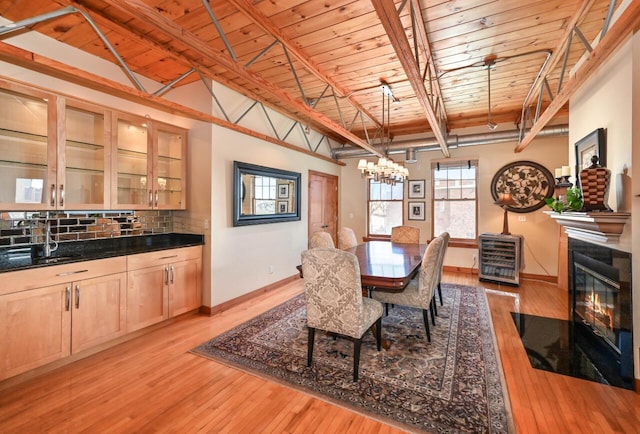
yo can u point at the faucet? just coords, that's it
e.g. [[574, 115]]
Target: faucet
[[50, 246]]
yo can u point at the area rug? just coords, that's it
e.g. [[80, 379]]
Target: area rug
[[453, 384]]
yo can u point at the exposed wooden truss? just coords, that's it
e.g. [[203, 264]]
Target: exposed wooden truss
[[322, 64]]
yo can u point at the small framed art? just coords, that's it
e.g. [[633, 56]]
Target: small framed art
[[416, 210], [416, 189]]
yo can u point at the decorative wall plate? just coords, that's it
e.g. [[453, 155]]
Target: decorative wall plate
[[528, 183]]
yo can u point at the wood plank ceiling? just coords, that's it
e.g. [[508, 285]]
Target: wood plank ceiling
[[323, 61]]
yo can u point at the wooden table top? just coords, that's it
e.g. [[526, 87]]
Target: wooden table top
[[386, 265]]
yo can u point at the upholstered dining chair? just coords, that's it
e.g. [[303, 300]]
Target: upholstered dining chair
[[333, 294], [347, 238], [320, 239], [445, 237], [420, 293], [405, 234]]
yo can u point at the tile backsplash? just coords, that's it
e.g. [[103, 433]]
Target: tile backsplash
[[20, 228]]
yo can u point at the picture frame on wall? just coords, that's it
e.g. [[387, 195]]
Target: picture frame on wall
[[592, 144], [416, 189], [283, 191], [283, 207], [416, 210]]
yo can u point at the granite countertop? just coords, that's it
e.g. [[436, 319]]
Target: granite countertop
[[24, 257]]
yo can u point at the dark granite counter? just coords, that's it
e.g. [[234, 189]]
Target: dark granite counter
[[25, 257]]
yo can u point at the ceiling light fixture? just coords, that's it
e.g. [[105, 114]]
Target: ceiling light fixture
[[489, 63], [385, 170]]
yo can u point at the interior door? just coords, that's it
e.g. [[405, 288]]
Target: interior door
[[323, 204]]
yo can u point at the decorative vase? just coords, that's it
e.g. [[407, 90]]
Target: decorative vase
[[594, 181]]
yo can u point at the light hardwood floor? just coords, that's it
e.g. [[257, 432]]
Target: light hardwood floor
[[152, 384]]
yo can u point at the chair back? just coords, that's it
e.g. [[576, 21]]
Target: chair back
[[429, 274], [445, 238], [333, 290], [347, 238], [320, 239], [405, 234]]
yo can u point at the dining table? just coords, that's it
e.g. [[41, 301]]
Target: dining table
[[388, 266]]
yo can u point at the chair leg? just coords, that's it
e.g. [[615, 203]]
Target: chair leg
[[312, 335], [425, 318], [386, 309], [432, 309], [379, 333], [440, 293], [435, 305], [356, 357]]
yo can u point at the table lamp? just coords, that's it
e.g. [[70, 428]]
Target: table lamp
[[505, 200]]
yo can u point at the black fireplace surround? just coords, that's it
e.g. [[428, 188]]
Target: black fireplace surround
[[601, 310]]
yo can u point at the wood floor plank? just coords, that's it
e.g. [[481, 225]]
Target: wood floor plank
[[152, 383]]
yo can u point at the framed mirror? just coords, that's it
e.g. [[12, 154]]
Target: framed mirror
[[264, 195]]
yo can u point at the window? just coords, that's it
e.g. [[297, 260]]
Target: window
[[265, 195], [455, 199], [385, 207]]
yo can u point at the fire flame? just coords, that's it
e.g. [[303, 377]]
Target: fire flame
[[600, 311]]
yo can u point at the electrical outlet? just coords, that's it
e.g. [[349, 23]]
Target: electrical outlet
[[270, 269], [522, 218]]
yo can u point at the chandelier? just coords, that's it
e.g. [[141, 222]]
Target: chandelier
[[385, 170]]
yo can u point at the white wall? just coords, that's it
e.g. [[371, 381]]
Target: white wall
[[611, 99]]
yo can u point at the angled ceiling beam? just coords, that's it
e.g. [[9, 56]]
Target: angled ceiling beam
[[103, 21], [262, 21], [53, 68], [558, 52], [423, 36], [142, 11], [626, 24], [386, 10]]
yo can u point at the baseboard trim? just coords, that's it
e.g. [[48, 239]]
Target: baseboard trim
[[543, 277], [465, 270], [214, 310]]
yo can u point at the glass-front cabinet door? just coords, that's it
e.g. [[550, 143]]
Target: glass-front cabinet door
[[86, 157], [132, 157], [169, 167], [27, 148]]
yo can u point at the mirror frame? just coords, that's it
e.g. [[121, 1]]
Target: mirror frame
[[240, 168]]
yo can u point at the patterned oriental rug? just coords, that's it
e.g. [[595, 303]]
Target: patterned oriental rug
[[454, 384]]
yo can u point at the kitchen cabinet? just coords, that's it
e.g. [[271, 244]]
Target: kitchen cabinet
[[54, 152], [150, 164], [58, 153], [162, 284], [52, 312], [27, 147]]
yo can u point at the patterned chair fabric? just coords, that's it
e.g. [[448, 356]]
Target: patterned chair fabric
[[405, 234], [347, 238], [445, 237], [333, 294], [419, 294], [320, 239]]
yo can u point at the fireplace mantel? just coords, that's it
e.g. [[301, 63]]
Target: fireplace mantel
[[599, 227]]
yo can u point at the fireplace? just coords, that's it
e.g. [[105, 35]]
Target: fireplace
[[601, 309]]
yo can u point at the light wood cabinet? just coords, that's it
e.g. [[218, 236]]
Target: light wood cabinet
[[162, 284], [49, 313], [27, 147], [54, 152], [58, 153], [150, 164]]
